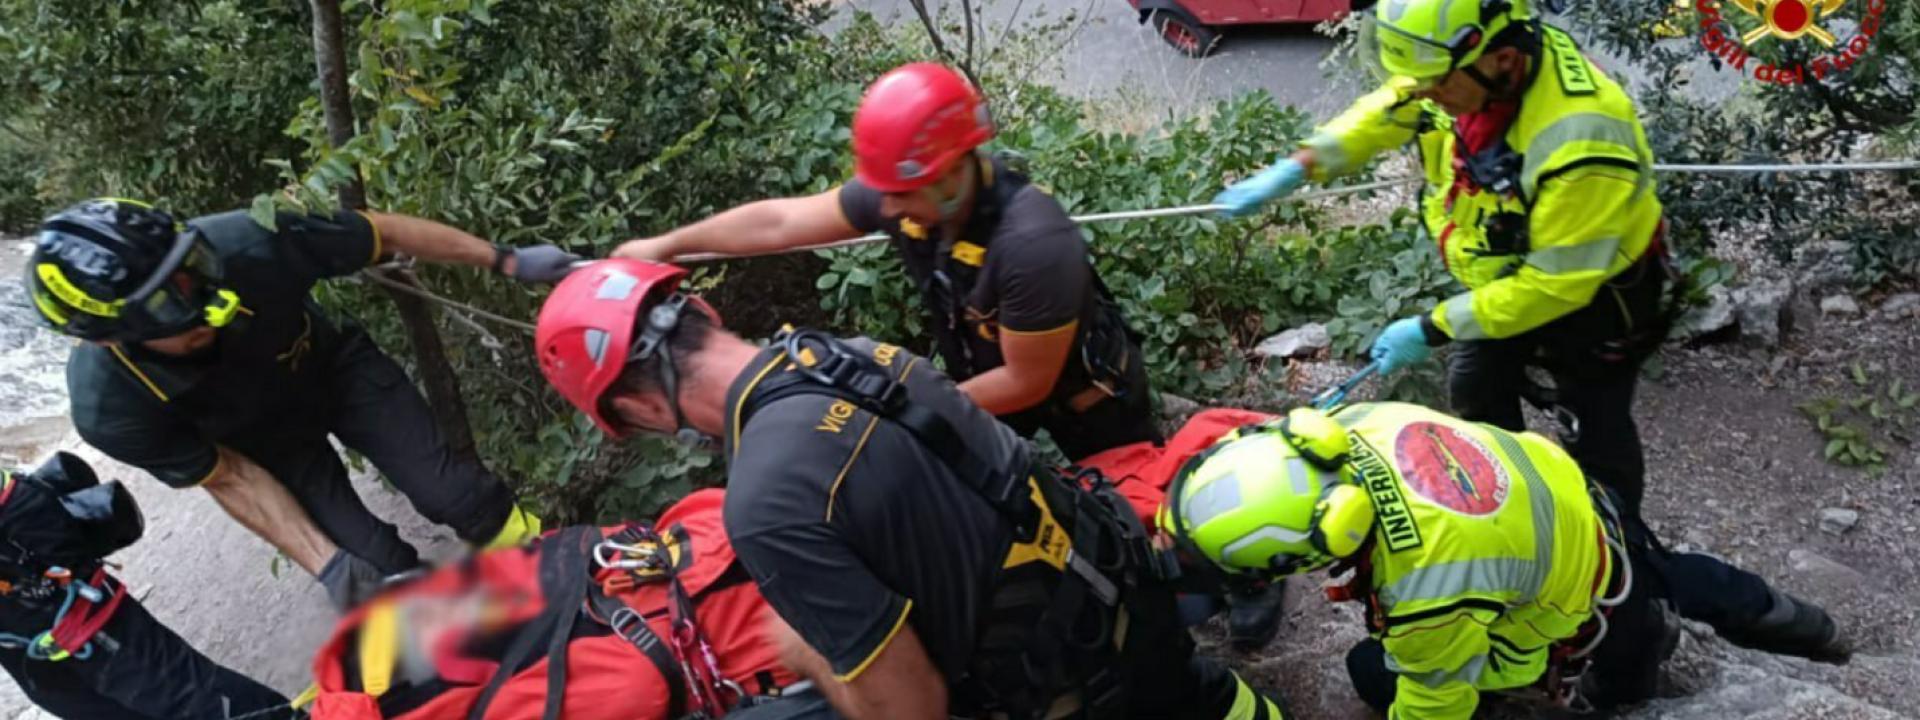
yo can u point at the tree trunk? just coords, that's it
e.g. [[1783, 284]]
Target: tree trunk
[[429, 355]]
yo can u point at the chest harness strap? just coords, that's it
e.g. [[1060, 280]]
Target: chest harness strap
[[1105, 344], [697, 688]]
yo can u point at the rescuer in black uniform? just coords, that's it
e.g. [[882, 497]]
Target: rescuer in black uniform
[[209, 363], [1015, 307], [928, 564]]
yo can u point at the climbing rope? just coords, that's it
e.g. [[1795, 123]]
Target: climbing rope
[[1184, 210], [428, 296]]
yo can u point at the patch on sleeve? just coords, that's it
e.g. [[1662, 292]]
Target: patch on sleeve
[[1576, 76]]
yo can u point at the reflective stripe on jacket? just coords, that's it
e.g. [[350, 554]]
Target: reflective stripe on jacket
[[1584, 186], [1487, 552]]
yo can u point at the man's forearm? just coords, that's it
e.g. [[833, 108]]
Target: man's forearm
[[433, 242], [756, 228], [260, 503], [999, 391]]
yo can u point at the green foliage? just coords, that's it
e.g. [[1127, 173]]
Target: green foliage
[[1869, 107], [1861, 427], [21, 172], [580, 124], [175, 102]]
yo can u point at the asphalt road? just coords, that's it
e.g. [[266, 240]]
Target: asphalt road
[[1105, 51]]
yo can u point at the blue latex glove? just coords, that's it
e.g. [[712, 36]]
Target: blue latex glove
[[1248, 195], [1403, 343]]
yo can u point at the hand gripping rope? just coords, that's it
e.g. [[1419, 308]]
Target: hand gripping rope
[[1886, 166]]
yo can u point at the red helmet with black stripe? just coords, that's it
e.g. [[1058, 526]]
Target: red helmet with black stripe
[[914, 122], [602, 317]]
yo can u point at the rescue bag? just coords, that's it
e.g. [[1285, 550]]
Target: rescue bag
[[1051, 629], [632, 621]]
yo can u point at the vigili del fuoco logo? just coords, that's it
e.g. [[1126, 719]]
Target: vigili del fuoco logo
[[1730, 30]]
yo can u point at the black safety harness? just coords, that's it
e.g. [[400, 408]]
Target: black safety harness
[[1051, 629], [1105, 345]]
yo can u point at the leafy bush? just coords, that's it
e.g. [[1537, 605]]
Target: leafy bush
[[20, 177], [1867, 110], [174, 102], [1862, 428]]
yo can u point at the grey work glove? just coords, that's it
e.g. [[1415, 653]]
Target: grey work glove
[[350, 580], [542, 263]]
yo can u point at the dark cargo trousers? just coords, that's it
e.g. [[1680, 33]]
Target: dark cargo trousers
[[138, 669], [373, 409], [1108, 424], [1594, 356]]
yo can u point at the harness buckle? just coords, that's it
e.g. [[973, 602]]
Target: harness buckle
[[833, 366], [628, 624]]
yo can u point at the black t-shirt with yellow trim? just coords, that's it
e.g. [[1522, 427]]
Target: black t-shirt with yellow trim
[[1035, 277], [852, 528], [264, 375]]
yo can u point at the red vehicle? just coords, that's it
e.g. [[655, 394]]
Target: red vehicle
[[1193, 26]]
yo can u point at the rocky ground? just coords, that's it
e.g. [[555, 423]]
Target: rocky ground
[[1735, 470]]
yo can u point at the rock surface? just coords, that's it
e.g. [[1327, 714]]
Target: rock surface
[[1900, 307], [1715, 316], [1760, 308], [1824, 264], [1839, 305], [1837, 521], [1308, 339]]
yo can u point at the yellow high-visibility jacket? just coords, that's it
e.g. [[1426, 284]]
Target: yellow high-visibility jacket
[[1488, 549], [1582, 190]]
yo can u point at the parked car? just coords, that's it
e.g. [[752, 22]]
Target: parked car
[[1193, 26]]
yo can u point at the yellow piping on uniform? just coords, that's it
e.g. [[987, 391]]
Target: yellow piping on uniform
[[882, 647], [740, 406], [835, 490], [378, 245], [862, 445], [124, 360]]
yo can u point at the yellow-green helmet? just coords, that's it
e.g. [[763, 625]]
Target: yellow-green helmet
[[1426, 39], [1270, 499]]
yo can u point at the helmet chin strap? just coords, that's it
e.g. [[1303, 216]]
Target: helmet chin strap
[[683, 433], [1495, 90]]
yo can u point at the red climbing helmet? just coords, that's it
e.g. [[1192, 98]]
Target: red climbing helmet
[[914, 122], [589, 328]]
